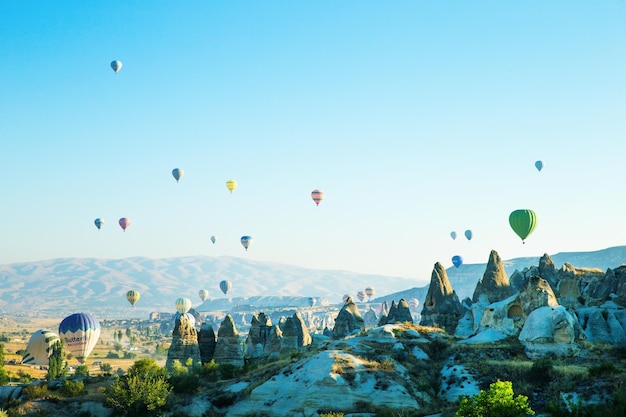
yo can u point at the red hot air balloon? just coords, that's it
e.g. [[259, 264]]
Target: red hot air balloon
[[124, 223]]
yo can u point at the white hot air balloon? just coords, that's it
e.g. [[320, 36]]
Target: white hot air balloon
[[116, 66]]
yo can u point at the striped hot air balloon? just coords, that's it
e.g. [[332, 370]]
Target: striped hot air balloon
[[183, 305], [132, 296], [317, 196], [39, 347], [80, 333]]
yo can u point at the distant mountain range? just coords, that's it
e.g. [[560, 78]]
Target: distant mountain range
[[64, 286]]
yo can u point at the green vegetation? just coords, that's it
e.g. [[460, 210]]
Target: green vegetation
[[56, 368], [497, 402]]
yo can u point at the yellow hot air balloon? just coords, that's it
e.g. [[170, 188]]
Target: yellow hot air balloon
[[132, 296], [231, 185]]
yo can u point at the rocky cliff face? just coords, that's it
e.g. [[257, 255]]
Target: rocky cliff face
[[398, 313], [494, 285], [227, 349], [348, 320], [184, 342], [442, 307], [206, 343]]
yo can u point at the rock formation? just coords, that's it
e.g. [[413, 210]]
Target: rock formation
[[537, 293], [549, 331], [369, 318], [206, 342], [289, 343], [348, 320], [442, 307], [304, 337], [184, 342], [494, 285], [227, 348], [258, 336], [398, 313]]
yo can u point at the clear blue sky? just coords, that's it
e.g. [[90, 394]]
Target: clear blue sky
[[415, 117]]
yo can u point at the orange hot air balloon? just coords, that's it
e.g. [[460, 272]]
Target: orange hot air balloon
[[317, 196], [124, 223]]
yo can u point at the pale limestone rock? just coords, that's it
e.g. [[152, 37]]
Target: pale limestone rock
[[348, 320], [184, 342], [537, 293], [549, 330], [228, 349], [494, 285], [603, 325], [442, 307]]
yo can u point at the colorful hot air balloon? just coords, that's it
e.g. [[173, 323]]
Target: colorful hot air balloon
[[80, 333], [124, 223], [39, 347], [98, 222], [453, 235], [317, 196], [414, 303], [190, 317], [225, 286], [132, 296], [117, 66], [231, 185], [457, 260], [539, 165], [203, 294], [178, 174], [468, 234], [523, 222], [213, 239], [346, 297], [183, 305], [246, 241], [360, 295], [369, 291]]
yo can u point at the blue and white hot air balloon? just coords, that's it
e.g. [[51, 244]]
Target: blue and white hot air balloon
[[80, 333]]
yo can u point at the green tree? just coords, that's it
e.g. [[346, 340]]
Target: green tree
[[82, 370], [1, 355], [497, 402], [56, 367], [119, 335], [142, 392], [128, 333], [106, 368]]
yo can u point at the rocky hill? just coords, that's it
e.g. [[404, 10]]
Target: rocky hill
[[62, 286]]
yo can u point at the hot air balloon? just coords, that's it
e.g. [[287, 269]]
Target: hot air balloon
[[117, 66], [188, 316], [124, 223], [523, 222], [369, 291], [39, 347], [414, 303], [457, 261], [317, 196], [468, 234], [539, 165], [225, 286], [178, 174], [183, 305], [132, 296], [246, 241], [453, 235], [98, 222], [360, 295], [231, 185], [213, 239], [312, 301], [203, 294], [346, 297], [80, 333]]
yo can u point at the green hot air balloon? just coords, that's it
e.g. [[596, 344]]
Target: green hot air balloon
[[523, 222]]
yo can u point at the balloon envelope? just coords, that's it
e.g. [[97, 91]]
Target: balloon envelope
[[360, 295], [453, 235], [188, 316], [317, 196], [369, 291], [80, 333], [457, 260], [414, 303], [178, 174], [468, 234], [231, 185], [203, 294], [539, 165], [523, 222], [98, 222], [116, 66], [132, 296], [213, 239], [39, 347], [183, 305], [124, 223], [346, 297], [246, 241], [225, 286], [312, 301]]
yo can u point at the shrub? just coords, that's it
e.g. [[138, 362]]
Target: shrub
[[605, 368], [541, 372], [33, 392], [497, 402], [81, 370], [72, 388]]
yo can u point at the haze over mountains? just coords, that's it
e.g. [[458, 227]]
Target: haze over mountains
[[64, 286]]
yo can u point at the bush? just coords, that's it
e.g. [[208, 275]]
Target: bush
[[605, 368], [497, 402], [81, 370], [228, 371], [72, 388], [541, 372], [34, 392]]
